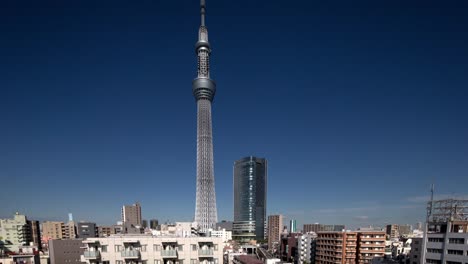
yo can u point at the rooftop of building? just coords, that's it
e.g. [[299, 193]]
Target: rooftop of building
[[246, 259]]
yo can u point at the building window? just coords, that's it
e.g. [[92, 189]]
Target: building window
[[181, 261], [180, 247], [435, 239], [118, 262], [456, 241], [434, 250], [118, 248], [215, 247], [156, 247], [143, 248], [104, 248], [144, 262], [433, 261], [157, 261], [215, 261], [194, 247], [455, 252], [453, 262], [193, 261]]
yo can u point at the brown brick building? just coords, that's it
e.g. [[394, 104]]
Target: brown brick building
[[349, 247]]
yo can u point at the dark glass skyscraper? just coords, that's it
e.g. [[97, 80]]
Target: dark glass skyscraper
[[250, 192]]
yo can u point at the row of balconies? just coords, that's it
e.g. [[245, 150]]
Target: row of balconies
[[134, 254]]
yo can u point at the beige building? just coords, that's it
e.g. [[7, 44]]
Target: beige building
[[53, 230], [275, 226], [371, 246], [131, 214], [148, 249], [349, 247], [58, 230]]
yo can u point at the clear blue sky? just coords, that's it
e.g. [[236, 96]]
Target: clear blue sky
[[358, 106]]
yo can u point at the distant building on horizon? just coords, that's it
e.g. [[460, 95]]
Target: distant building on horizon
[[105, 231], [131, 214], [153, 223], [250, 197], [319, 228], [86, 229], [275, 225], [292, 226], [225, 225]]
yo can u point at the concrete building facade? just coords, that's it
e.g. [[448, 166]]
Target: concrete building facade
[[349, 247], [275, 225], [86, 229], [65, 251], [15, 232], [53, 230], [320, 228], [306, 248], [131, 214], [370, 246], [120, 249], [105, 231]]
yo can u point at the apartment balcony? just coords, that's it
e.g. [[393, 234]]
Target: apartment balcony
[[205, 252], [91, 254], [130, 254], [169, 253]]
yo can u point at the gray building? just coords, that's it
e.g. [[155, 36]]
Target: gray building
[[320, 228], [416, 249], [66, 251], [250, 193], [86, 229], [446, 235]]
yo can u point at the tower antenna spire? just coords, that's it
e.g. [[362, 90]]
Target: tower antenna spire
[[202, 12], [204, 88]]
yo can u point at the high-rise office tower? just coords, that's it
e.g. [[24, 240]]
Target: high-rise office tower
[[154, 223], [204, 88], [292, 226], [275, 223], [250, 188], [131, 214]]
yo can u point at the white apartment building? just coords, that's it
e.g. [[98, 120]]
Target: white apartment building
[[225, 235], [14, 232], [148, 249], [306, 248]]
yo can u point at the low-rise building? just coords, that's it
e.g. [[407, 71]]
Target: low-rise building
[[119, 249], [25, 254], [105, 231], [67, 251], [225, 235], [86, 229]]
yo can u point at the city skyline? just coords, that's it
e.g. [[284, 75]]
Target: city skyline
[[357, 101]]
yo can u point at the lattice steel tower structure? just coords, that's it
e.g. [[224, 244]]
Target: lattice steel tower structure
[[204, 90]]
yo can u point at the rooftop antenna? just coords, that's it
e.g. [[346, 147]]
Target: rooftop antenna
[[430, 204]]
